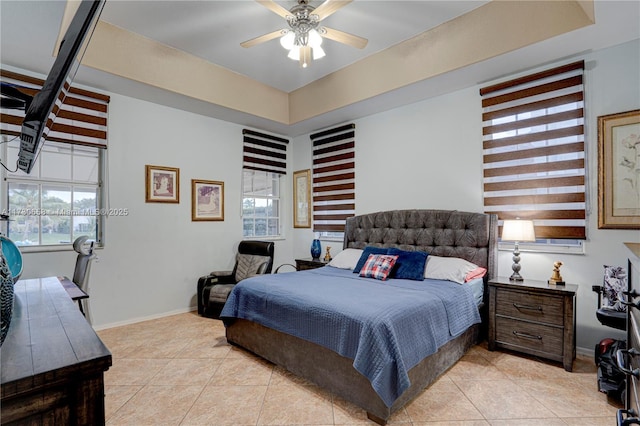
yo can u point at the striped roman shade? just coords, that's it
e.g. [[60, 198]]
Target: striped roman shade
[[81, 120], [334, 177], [264, 152], [533, 146]]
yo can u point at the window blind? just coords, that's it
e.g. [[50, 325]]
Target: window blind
[[533, 151], [264, 152], [81, 119], [333, 178]]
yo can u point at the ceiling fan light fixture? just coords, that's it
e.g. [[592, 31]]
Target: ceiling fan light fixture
[[294, 53], [318, 52], [287, 40], [315, 40]]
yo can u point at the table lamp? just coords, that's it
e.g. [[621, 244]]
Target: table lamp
[[517, 231]]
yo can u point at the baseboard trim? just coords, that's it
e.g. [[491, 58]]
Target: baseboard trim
[[147, 318]]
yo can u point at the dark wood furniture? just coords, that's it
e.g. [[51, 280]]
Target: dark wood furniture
[[302, 264], [471, 236], [52, 361], [74, 292], [533, 317]]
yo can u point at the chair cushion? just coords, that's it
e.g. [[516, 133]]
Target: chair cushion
[[220, 292], [249, 265]]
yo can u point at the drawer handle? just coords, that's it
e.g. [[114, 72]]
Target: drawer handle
[[620, 360], [526, 335], [532, 308]]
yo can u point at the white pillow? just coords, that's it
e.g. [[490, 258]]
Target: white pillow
[[448, 268], [346, 259]]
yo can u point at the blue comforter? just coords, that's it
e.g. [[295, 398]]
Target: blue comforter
[[386, 327]]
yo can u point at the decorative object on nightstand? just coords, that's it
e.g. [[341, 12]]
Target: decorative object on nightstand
[[556, 278], [517, 231], [316, 249], [327, 256]]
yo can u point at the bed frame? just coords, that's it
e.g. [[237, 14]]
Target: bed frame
[[470, 236]]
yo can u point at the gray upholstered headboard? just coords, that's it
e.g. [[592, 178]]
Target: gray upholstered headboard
[[450, 233]]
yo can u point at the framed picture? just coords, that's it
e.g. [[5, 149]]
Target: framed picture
[[207, 200], [302, 199], [162, 184], [619, 170]]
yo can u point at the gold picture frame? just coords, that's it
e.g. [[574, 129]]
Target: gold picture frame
[[207, 200], [162, 184], [618, 170], [302, 199]]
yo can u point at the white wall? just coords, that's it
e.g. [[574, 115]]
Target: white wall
[[153, 257], [429, 155]]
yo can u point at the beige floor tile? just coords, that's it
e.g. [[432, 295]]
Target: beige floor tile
[[436, 404], [296, 405], [116, 396], [503, 399], [528, 422], [474, 367], [193, 372], [157, 405], [227, 405], [591, 421], [248, 371], [454, 423], [133, 371]]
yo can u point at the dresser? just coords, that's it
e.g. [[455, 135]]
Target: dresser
[[52, 361], [534, 318], [302, 264]]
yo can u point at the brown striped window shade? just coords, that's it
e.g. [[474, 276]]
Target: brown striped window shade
[[533, 151], [334, 191], [264, 152], [81, 120]]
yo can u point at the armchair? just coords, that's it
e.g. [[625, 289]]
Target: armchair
[[253, 258]]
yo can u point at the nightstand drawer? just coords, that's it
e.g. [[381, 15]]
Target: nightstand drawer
[[529, 337], [533, 307]]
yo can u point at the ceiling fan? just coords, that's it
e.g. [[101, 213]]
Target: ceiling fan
[[304, 36]]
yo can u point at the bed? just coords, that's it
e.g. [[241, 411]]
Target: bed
[[324, 351]]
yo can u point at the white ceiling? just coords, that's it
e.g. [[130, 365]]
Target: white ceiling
[[213, 30]]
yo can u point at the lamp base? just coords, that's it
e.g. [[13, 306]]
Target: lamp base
[[516, 277]]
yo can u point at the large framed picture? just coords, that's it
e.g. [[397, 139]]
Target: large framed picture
[[302, 199], [619, 170], [207, 200], [162, 184]]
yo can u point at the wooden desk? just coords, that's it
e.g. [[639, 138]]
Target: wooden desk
[[52, 361]]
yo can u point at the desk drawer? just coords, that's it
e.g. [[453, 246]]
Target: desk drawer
[[532, 307], [531, 336]]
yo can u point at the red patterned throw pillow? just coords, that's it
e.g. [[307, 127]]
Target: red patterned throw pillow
[[378, 266]]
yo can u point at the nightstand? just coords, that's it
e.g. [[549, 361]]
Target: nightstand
[[533, 317], [302, 264]]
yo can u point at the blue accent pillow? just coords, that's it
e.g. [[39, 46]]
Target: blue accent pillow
[[410, 264], [365, 255]]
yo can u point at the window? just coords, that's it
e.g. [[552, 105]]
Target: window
[[333, 180], [59, 200], [264, 161], [260, 204], [534, 160]]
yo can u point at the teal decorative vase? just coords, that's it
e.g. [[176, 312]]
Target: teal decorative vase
[[316, 249], [6, 297]]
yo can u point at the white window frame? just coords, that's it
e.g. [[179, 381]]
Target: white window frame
[[12, 176], [278, 197]]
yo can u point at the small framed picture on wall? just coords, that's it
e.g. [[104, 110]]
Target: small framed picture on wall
[[162, 184], [207, 200]]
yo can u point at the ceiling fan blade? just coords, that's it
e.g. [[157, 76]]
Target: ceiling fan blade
[[262, 39], [275, 7], [345, 38], [329, 7]]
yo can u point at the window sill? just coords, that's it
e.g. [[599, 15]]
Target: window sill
[[50, 249]]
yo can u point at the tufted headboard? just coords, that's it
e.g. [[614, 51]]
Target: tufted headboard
[[448, 233]]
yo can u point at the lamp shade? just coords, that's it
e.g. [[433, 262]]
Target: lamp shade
[[518, 230]]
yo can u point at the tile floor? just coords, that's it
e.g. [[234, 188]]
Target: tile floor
[[179, 370]]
